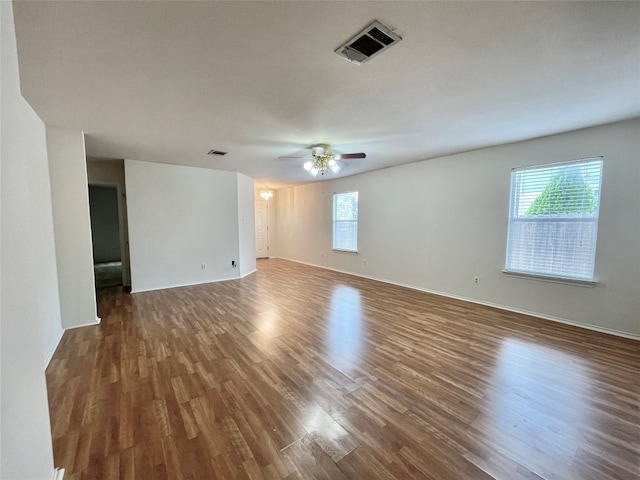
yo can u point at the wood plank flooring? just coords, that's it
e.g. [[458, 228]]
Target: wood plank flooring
[[301, 373]]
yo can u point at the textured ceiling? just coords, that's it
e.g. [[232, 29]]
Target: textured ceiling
[[169, 81]]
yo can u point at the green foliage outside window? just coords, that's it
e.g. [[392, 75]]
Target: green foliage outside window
[[566, 193]]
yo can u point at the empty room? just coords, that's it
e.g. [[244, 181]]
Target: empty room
[[320, 240]]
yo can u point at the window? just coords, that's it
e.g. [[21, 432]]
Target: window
[[553, 219], [345, 221]]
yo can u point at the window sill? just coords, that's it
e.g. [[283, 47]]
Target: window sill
[[543, 278], [344, 251]]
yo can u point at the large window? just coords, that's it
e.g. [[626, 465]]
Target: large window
[[553, 219], [345, 221]]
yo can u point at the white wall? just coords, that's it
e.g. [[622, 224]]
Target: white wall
[[436, 224], [246, 226], [180, 218], [29, 306], [72, 226]]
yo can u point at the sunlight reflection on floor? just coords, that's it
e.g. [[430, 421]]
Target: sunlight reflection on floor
[[345, 335], [267, 322], [535, 408]]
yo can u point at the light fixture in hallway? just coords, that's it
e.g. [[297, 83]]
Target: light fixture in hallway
[[266, 194]]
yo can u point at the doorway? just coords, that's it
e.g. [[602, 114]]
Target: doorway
[[106, 235]]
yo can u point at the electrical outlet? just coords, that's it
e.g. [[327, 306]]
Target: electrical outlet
[[476, 280], [364, 262], [203, 266], [233, 263]]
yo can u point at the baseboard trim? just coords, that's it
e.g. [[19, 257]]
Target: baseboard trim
[[58, 474], [88, 324], [53, 348], [249, 273], [142, 290], [565, 321]]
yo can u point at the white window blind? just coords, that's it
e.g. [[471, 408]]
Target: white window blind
[[553, 219], [345, 221]]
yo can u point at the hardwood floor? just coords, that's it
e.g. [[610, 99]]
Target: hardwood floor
[[298, 372]]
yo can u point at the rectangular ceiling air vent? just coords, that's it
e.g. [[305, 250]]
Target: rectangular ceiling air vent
[[216, 152], [368, 43]]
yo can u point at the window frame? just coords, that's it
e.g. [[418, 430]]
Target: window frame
[[335, 221], [514, 218]]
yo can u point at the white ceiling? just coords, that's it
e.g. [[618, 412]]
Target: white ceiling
[[168, 81]]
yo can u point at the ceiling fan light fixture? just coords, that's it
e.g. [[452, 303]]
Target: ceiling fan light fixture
[[319, 149], [321, 164], [323, 160]]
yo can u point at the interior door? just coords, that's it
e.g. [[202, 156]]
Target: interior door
[[262, 229]]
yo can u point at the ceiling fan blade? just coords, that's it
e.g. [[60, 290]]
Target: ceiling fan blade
[[345, 156]]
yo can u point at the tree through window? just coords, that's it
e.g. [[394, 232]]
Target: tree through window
[[553, 219]]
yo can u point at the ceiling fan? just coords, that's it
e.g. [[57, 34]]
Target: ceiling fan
[[323, 160]]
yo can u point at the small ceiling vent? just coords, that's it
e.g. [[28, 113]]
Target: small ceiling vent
[[370, 42], [216, 152]]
